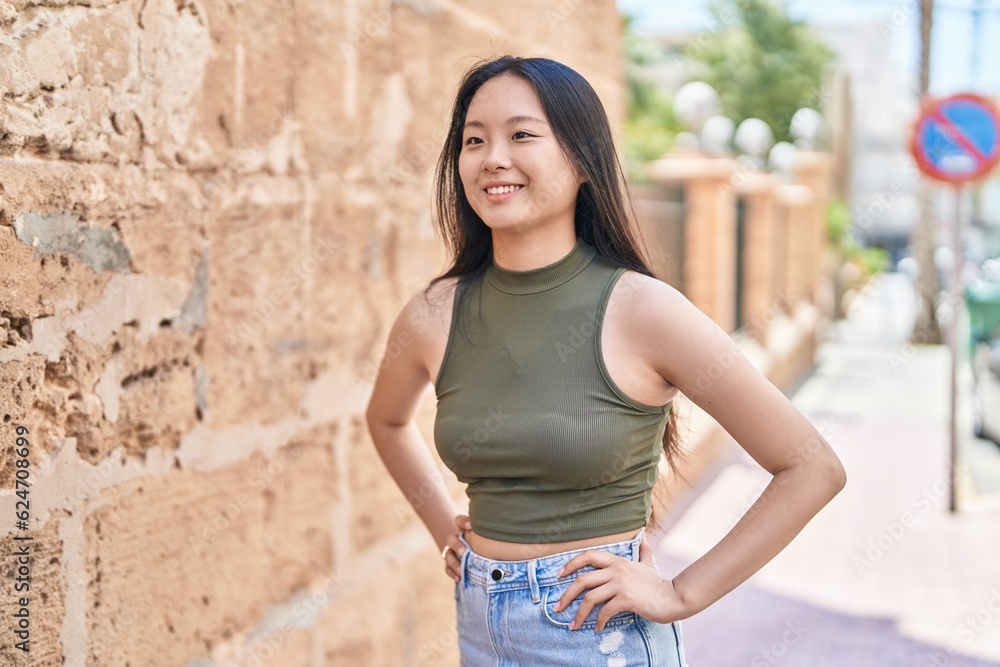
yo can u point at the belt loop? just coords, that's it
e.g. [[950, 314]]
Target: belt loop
[[638, 541], [533, 580], [464, 558]]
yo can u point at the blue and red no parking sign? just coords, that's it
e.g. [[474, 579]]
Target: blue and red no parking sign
[[957, 138]]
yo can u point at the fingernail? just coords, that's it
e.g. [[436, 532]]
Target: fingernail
[[572, 625]]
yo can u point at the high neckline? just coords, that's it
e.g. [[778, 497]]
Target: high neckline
[[545, 277]]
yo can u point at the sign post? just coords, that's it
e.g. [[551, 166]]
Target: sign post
[[956, 140]]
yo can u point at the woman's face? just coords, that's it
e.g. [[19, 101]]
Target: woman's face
[[507, 140]]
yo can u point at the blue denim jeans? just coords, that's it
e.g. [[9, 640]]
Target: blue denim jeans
[[506, 617]]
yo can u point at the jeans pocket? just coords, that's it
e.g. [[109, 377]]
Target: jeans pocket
[[563, 617]]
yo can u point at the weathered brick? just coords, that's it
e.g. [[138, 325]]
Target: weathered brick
[[353, 64], [365, 625], [46, 604], [22, 383], [128, 392], [166, 235], [155, 377], [259, 270], [297, 528], [268, 41], [345, 319], [66, 407], [379, 508], [32, 284], [175, 564]]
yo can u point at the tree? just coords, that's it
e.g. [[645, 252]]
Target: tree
[[762, 63], [650, 124], [926, 329]]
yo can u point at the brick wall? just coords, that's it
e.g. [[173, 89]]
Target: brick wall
[[210, 213]]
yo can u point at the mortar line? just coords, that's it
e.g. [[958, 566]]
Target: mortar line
[[73, 633]]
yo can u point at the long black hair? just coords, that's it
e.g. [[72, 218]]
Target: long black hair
[[604, 210]]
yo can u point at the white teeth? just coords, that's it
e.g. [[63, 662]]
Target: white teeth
[[503, 189]]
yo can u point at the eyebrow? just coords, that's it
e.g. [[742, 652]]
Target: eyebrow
[[510, 121]]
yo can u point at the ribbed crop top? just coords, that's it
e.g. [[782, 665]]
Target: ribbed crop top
[[527, 415]]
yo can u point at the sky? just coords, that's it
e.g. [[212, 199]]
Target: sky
[[951, 42]]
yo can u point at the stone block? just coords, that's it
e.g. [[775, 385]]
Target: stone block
[[267, 40], [348, 275], [33, 284], [300, 492], [368, 623], [175, 565], [23, 384], [157, 401], [259, 272], [45, 600], [126, 392], [328, 93], [379, 508]]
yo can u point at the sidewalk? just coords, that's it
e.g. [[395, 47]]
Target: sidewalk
[[884, 575]]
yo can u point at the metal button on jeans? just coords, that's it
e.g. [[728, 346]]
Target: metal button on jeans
[[497, 574]]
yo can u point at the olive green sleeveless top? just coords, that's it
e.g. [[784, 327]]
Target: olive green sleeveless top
[[527, 415]]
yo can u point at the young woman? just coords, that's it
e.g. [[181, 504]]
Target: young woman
[[555, 356]]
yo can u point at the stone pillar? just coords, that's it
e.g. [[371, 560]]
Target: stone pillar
[[794, 235], [760, 268], [709, 232], [815, 171]]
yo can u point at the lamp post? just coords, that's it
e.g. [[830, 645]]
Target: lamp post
[[753, 138], [805, 128], [694, 103], [781, 158], [717, 135]]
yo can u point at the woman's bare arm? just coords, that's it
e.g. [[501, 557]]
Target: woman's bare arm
[[694, 354], [402, 379]]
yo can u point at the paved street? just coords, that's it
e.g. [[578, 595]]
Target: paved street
[[885, 575]]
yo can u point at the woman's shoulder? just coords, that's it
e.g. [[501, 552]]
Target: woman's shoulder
[[637, 288], [428, 310], [646, 304]]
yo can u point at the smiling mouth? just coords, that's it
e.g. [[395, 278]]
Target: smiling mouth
[[503, 190]]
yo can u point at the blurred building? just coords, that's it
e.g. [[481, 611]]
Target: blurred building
[[883, 183]]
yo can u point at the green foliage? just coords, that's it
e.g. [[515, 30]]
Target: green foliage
[[649, 133], [762, 63], [838, 226], [872, 260], [650, 124], [838, 221]]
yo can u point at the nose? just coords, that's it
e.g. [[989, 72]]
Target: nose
[[496, 157]]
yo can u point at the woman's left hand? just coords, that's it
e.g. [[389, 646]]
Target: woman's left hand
[[623, 585]]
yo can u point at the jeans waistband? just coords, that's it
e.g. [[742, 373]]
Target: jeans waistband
[[501, 575]]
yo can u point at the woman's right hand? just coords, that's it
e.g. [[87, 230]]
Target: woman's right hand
[[453, 557]]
